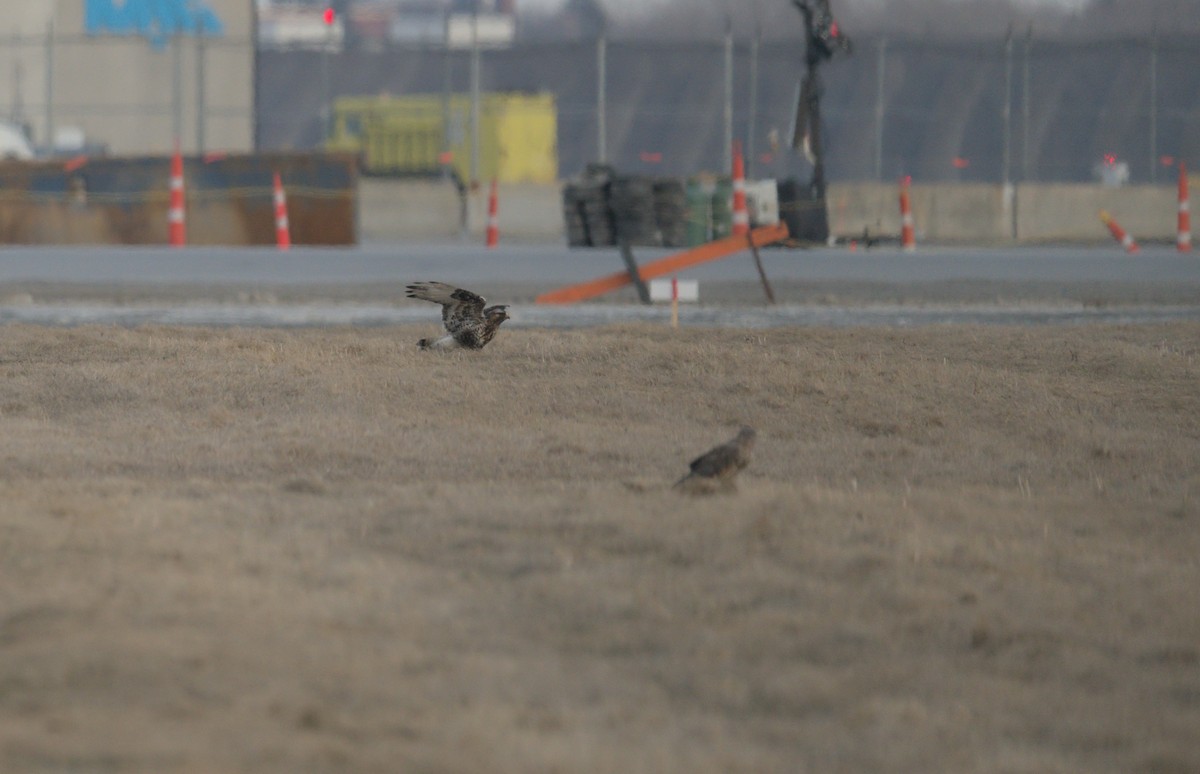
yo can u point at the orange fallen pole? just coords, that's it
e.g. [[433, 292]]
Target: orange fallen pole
[[1123, 238], [672, 263]]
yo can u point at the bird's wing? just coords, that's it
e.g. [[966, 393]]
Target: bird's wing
[[717, 461], [460, 308]]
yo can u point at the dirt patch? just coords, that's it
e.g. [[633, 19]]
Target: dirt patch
[[957, 549]]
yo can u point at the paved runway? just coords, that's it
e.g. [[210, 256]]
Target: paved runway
[[824, 287], [543, 264]]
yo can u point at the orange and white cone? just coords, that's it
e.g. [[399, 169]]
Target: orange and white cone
[[1183, 241], [1118, 233], [493, 221], [283, 234], [741, 216], [908, 236], [176, 227]]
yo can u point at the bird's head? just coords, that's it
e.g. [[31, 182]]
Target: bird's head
[[746, 435], [496, 314]]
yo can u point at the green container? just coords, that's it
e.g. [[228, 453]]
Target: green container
[[699, 220], [722, 209]]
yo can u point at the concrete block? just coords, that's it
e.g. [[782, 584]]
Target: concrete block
[[394, 210]]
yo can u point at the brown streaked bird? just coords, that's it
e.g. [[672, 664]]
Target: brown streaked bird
[[717, 468], [468, 324]]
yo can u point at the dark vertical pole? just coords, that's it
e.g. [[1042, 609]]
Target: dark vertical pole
[[631, 265], [762, 274]]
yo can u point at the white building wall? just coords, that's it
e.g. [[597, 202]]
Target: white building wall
[[120, 87]]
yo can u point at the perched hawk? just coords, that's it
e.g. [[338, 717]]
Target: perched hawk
[[717, 468], [468, 324]]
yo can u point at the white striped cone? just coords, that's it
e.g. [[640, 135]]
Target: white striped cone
[[283, 234], [176, 225], [493, 221], [1183, 240], [908, 235], [741, 216]]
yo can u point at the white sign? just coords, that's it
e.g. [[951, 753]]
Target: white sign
[[689, 290], [487, 30]]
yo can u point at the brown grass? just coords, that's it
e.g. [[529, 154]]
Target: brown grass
[[957, 549]]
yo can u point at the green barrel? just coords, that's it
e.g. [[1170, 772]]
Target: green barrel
[[722, 208], [700, 211]]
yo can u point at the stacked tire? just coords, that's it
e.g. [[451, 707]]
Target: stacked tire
[[586, 214], [671, 212], [631, 200], [601, 208]]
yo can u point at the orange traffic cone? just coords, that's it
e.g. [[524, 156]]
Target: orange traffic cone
[[283, 235], [176, 228], [741, 216], [908, 237], [493, 222], [1183, 242], [1119, 233]]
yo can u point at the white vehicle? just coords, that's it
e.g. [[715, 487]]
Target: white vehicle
[[13, 142]]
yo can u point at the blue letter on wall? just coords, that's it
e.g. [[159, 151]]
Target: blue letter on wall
[[156, 20]]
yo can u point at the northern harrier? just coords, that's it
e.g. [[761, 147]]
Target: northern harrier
[[717, 468], [468, 324]]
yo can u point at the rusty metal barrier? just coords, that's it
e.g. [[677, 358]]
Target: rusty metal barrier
[[229, 199]]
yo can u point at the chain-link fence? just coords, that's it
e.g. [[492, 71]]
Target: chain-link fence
[[123, 95], [1021, 108], [1016, 109]]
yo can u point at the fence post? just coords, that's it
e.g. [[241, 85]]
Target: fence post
[[201, 106], [602, 98], [880, 103], [1154, 106], [1025, 108], [752, 127], [475, 78], [1006, 112], [728, 112], [326, 116], [50, 84], [177, 84]]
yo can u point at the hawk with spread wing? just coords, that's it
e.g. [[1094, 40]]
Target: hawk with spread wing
[[468, 324], [718, 467]]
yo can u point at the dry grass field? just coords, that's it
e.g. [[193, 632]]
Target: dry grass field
[[957, 550]]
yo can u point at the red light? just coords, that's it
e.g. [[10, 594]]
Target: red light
[[833, 30], [1110, 159], [328, 17], [960, 163]]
